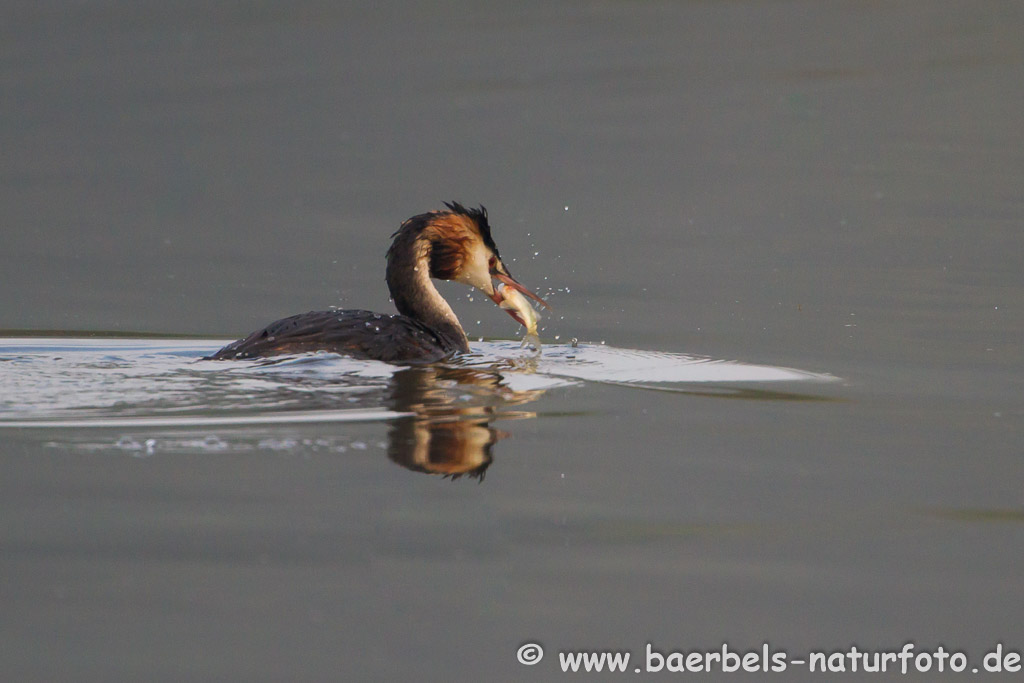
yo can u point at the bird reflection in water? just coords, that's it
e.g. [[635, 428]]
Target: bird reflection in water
[[451, 433]]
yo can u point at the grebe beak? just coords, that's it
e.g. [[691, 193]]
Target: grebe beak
[[514, 284], [498, 296]]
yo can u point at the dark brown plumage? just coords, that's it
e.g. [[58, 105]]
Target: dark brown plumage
[[356, 333]]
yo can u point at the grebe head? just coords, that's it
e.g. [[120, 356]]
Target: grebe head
[[459, 247]]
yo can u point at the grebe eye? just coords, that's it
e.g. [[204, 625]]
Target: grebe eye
[[492, 262]]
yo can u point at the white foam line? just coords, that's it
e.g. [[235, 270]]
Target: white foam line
[[202, 421]]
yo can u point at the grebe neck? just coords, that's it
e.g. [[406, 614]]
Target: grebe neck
[[414, 293]]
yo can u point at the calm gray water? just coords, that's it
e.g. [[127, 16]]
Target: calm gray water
[[834, 187]]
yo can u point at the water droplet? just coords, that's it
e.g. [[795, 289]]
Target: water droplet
[[127, 443], [213, 442]]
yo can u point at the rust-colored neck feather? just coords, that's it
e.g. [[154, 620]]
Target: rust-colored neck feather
[[421, 249]]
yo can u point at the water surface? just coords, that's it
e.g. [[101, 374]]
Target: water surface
[[830, 187]]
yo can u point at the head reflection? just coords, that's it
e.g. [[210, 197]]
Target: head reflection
[[450, 433]]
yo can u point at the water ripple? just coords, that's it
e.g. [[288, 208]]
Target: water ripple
[[110, 382]]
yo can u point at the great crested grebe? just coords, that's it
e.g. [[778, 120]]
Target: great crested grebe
[[448, 245]]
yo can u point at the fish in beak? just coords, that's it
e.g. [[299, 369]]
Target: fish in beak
[[509, 296]]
